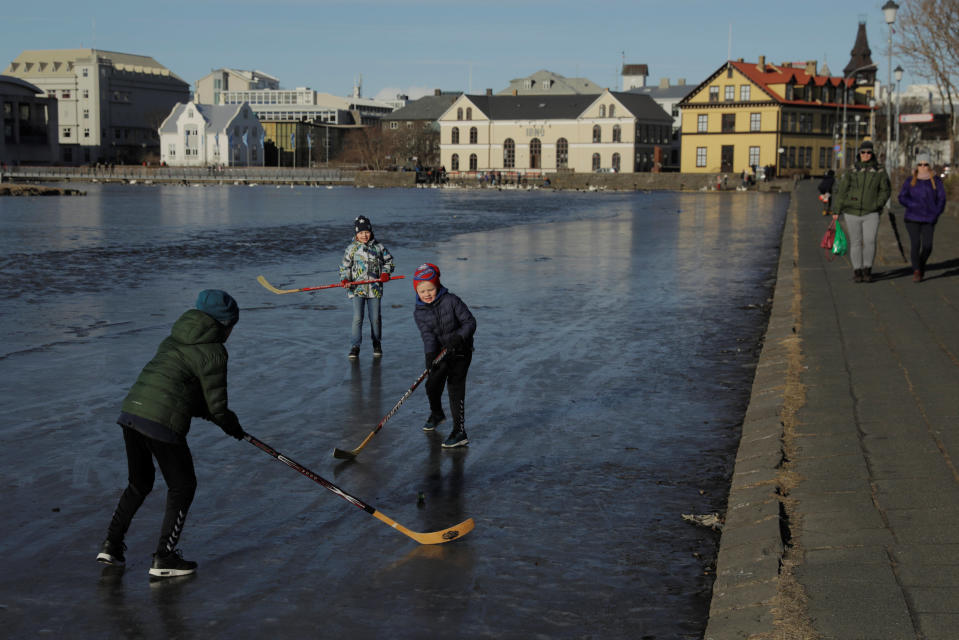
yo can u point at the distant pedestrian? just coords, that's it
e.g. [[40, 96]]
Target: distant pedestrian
[[863, 190], [444, 321], [924, 196], [825, 190], [185, 379], [365, 259]]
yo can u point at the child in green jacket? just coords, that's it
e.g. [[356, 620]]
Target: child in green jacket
[[185, 379]]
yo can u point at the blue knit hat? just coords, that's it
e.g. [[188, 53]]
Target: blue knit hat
[[219, 305]]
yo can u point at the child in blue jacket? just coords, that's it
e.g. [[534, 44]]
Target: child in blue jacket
[[444, 321]]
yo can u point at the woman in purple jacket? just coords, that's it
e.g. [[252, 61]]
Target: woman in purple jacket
[[924, 197], [444, 321]]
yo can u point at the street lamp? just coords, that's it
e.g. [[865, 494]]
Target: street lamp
[[889, 12], [845, 101], [898, 73]]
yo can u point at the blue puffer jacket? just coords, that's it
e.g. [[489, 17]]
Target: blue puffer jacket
[[923, 202], [440, 319]]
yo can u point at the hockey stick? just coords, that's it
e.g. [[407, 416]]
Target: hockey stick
[[269, 286], [349, 455], [430, 537]]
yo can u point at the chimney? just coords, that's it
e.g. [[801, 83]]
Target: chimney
[[681, 82], [437, 92], [515, 92], [489, 92], [762, 63], [664, 83], [811, 67]]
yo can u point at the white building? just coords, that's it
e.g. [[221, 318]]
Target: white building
[[196, 135], [109, 104], [271, 103]]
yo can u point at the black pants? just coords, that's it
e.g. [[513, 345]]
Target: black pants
[[451, 372], [176, 465], [920, 243]]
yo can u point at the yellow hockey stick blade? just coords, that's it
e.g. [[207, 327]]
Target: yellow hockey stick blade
[[431, 537]]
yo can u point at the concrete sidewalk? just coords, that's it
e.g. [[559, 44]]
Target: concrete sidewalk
[[843, 516]]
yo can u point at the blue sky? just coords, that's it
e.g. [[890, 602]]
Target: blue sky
[[414, 46]]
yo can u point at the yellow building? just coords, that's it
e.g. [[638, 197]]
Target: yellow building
[[784, 116]]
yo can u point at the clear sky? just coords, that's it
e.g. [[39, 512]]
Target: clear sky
[[415, 46]]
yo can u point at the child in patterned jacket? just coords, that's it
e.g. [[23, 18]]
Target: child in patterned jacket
[[366, 259]]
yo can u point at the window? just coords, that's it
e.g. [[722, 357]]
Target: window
[[456, 136], [714, 94], [474, 135], [754, 156], [700, 156], [67, 132], [744, 93], [86, 114], [171, 150], [394, 124], [85, 72], [455, 162], [616, 162], [617, 134], [509, 154], [86, 94], [469, 113], [755, 122], [729, 122], [612, 110], [86, 133], [597, 134], [809, 157], [535, 153], [595, 162], [730, 93], [474, 163], [602, 111], [791, 157], [701, 122], [562, 153], [65, 93], [459, 113]]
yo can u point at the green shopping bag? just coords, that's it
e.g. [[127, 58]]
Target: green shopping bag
[[839, 243]]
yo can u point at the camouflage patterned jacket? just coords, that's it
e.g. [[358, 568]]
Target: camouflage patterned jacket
[[366, 261]]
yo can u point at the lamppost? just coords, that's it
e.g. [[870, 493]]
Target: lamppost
[[845, 101], [872, 118], [898, 73], [856, 119], [889, 12]]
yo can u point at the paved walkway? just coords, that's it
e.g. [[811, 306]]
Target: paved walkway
[[843, 518]]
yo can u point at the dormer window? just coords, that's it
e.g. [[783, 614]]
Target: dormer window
[[528, 83]]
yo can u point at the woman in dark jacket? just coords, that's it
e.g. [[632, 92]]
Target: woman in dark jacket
[[444, 321], [924, 197], [185, 379]]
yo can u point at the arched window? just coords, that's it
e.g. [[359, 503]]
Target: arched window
[[562, 153], [617, 133], [455, 162], [474, 135], [456, 136], [602, 111], [535, 152], [469, 113], [612, 110], [459, 113], [597, 134], [509, 154], [595, 162], [616, 163], [474, 163]]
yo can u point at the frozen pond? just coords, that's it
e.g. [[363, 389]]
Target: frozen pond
[[617, 337]]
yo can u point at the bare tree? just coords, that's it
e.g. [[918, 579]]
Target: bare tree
[[370, 146], [929, 41]]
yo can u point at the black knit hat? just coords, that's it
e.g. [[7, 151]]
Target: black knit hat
[[362, 223], [866, 145]]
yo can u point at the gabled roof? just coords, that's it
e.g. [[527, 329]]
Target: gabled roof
[[425, 108], [549, 83], [764, 75], [562, 107], [218, 117]]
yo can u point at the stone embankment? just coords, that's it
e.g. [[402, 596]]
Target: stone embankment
[[37, 190]]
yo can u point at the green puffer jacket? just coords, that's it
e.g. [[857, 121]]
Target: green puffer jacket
[[863, 189], [186, 377]]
